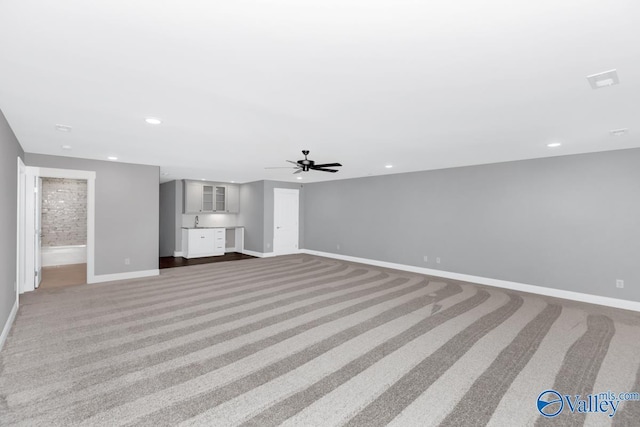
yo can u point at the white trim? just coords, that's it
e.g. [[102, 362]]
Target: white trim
[[258, 254], [8, 324], [27, 284], [91, 227], [534, 289], [177, 254], [90, 177], [20, 230], [124, 276]]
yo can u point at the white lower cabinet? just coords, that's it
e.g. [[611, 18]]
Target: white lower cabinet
[[219, 241], [201, 242]]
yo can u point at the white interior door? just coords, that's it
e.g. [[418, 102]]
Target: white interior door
[[285, 221], [38, 232]]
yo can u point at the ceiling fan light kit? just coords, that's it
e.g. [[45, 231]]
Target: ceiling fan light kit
[[305, 165]]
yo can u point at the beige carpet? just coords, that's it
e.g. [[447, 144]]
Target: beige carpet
[[307, 341]]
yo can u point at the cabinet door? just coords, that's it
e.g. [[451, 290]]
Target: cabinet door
[[201, 242], [207, 198], [192, 197], [221, 202], [233, 198]]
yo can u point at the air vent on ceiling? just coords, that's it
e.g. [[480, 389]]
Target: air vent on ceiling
[[63, 128], [604, 79], [619, 132]]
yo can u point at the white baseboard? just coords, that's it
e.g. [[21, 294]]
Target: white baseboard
[[124, 276], [534, 289], [258, 254], [8, 324], [177, 254]]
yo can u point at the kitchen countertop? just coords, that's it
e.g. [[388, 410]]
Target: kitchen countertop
[[202, 228]]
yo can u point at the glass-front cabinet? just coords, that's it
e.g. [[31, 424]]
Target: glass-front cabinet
[[207, 197], [221, 199]]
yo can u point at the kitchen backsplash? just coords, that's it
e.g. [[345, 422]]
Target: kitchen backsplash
[[210, 220]]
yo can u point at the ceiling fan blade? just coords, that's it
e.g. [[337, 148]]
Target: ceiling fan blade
[[327, 165], [326, 170], [298, 171], [291, 161]]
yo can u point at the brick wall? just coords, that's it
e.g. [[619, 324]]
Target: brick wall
[[64, 212]]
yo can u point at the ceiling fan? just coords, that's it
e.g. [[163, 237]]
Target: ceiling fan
[[306, 165]]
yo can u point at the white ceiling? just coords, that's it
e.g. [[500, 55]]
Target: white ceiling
[[245, 84]]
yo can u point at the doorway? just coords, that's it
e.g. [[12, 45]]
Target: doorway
[[285, 221], [63, 231], [82, 255]]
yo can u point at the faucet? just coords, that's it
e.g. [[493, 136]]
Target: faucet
[[197, 221]]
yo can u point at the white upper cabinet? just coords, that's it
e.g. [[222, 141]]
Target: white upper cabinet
[[233, 198], [221, 198], [192, 194], [207, 197]]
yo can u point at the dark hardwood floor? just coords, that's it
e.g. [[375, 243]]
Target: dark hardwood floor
[[170, 262]]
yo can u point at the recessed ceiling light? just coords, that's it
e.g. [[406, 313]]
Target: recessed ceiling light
[[164, 173], [388, 166], [66, 147], [153, 120], [554, 145], [604, 79], [63, 128], [619, 132], [232, 182], [202, 179], [299, 177], [112, 158]]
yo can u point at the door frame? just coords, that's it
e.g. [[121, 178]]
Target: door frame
[[20, 229], [37, 223], [32, 174], [286, 191]]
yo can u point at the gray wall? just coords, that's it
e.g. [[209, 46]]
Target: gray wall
[[10, 149], [268, 212], [251, 215], [256, 214], [566, 222], [167, 218], [127, 211]]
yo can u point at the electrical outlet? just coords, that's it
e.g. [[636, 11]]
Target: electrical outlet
[[426, 258], [438, 260], [619, 283], [127, 261]]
